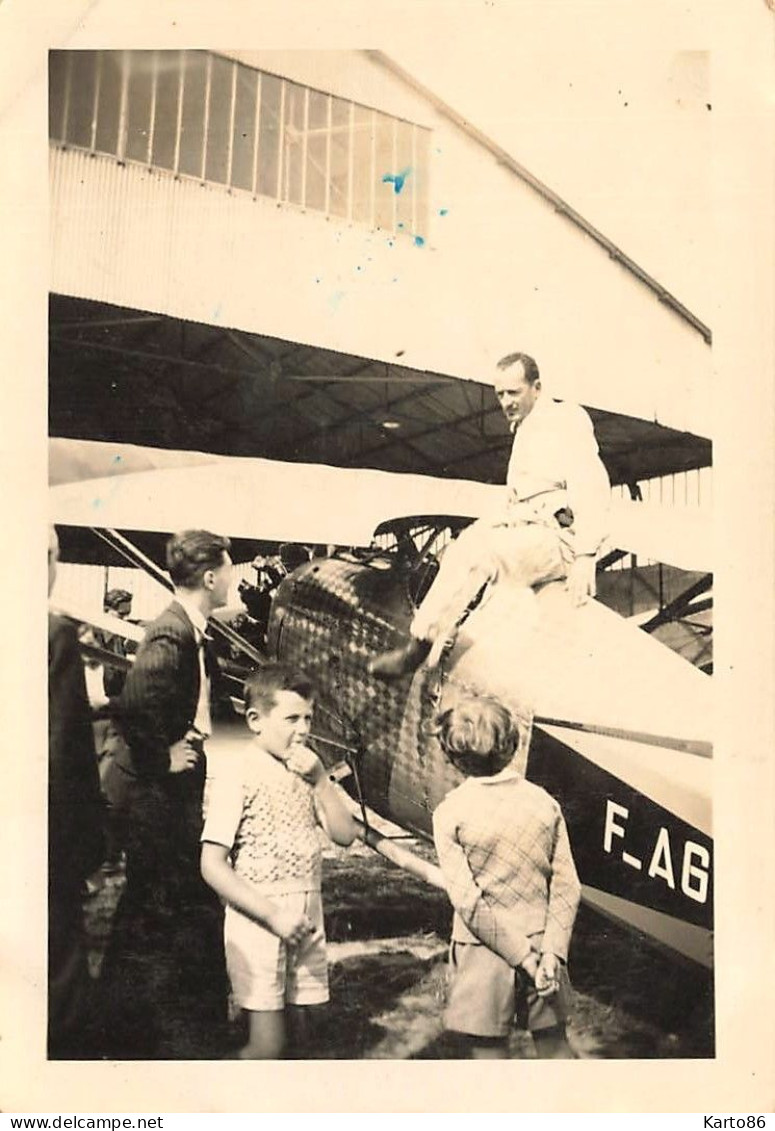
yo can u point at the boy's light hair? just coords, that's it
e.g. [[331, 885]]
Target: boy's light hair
[[478, 735], [261, 686]]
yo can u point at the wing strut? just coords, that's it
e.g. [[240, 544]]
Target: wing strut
[[682, 605], [137, 558], [402, 857]]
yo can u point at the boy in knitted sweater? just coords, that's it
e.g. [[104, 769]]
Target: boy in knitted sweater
[[261, 854]]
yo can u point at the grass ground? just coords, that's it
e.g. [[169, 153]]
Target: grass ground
[[388, 935]]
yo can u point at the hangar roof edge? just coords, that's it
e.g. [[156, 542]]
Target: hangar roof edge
[[561, 206]]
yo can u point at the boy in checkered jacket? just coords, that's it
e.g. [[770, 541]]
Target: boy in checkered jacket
[[504, 852]]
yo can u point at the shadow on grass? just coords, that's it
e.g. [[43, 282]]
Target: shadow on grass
[[654, 1004], [365, 898], [364, 988], [631, 1000]]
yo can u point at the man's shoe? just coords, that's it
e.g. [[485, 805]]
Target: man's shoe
[[400, 661]]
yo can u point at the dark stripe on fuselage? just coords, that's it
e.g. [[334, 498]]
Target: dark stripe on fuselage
[[603, 837], [685, 745]]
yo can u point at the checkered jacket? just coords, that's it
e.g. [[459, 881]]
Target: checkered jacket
[[504, 852]]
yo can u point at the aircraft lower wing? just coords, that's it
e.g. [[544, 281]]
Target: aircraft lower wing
[[87, 614], [588, 667], [622, 737], [676, 535], [676, 934]]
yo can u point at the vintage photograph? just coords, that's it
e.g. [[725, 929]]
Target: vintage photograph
[[380, 558]]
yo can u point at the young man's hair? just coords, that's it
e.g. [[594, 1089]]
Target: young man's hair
[[191, 553], [478, 735], [116, 599], [529, 366], [262, 686]]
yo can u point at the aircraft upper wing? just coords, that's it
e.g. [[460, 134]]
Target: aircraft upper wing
[[133, 488], [77, 461], [128, 487]]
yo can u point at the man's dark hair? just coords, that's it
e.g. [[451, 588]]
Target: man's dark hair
[[261, 686], [528, 365], [191, 553]]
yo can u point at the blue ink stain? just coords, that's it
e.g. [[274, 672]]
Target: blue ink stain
[[117, 459], [400, 223], [397, 179], [116, 486], [443, 211], [418, 241], [335, 299], [217, 312]]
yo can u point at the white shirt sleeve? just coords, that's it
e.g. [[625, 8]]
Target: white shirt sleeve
[[225, 799], [587, 485]]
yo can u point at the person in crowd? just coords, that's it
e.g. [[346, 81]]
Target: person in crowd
[[257, 598], [552, 526], [75, 833], [98, 701], [506, 860], [292, 555], [113, 755], [261, 854], [164, 983], [118, 602]]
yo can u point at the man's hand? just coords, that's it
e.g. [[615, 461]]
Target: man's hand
[[581, 579], [183, 756], [306, 764], [291, 926], [547, 978]]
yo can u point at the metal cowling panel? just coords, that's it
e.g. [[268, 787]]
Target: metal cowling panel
[[329, 619]]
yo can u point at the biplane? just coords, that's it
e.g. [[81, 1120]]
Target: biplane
[[621, 724]]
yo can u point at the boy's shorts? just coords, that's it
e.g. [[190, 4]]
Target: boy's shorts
[[266, 974], [485, 994]]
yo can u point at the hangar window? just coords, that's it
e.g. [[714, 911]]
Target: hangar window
[[203, 116]]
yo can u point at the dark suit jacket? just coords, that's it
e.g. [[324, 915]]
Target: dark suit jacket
[[163, 976], [156, 709], [113, 679], [159, 700], [75, 805]]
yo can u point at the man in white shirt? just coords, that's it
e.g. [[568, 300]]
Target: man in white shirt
[[552, 525]]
